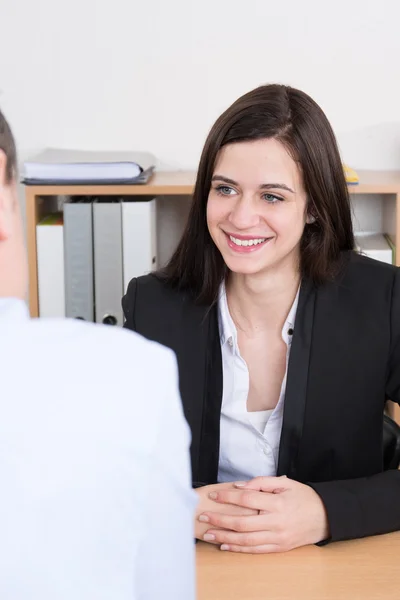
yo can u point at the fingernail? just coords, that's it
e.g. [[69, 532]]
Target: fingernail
[[204, 518], [224, 547], [240, 484], [213, 495], [208, 537]]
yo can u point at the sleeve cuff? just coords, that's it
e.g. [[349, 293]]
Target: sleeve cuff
[[360, 507]]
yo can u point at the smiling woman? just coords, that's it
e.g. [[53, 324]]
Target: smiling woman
[[257, 226], [274, 145], [288, 342]]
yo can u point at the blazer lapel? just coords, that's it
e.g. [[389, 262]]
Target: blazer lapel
[[192, 350], [296, 384], [211, 403]]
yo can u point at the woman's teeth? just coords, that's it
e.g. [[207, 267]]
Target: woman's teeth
[[252, 242]]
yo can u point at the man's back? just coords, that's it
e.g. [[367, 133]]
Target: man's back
[[95, 498]]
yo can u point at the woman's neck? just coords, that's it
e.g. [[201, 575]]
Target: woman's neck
[[261, 302]]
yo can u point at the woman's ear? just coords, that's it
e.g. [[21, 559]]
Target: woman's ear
[[310, 219]]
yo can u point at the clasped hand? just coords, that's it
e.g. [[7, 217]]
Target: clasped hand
[[266, 514]]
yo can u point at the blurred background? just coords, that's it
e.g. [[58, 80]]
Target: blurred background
[[154, 75]]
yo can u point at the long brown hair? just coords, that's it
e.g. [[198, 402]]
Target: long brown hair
[[292, 117]]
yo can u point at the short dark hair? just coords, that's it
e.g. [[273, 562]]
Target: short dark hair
[[7, 144], [292, 117]]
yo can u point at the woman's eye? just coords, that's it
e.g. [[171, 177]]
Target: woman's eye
[[272, 199], [225, 190]]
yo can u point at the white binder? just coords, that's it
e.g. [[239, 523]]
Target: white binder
[[50, 262], [139, 238]]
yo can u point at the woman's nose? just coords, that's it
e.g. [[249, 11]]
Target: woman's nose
[[244, 215]]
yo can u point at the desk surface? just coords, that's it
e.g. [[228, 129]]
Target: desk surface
[[355, 570]]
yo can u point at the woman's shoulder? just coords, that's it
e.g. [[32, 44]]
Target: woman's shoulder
[[161, 312], [366, 277], [362, 267], [154, 286], [151, 298]]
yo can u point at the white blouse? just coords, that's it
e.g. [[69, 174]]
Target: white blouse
[[249, 441]]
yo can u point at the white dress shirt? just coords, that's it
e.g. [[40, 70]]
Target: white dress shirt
[[95, 488], [249, 442]]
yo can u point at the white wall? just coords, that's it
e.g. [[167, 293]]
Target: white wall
[[154, 74]]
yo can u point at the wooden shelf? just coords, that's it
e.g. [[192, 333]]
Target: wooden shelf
[[377, 182], [169, 183]]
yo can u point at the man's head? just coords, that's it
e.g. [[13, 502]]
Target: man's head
[[13, 268]]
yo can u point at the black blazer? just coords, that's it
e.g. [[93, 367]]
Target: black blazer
[[344, 364]]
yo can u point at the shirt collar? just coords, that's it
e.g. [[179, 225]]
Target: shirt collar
[[13, 309], [288, 327], [227, 329]]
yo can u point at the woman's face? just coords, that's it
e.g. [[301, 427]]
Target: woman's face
[[256, 210]]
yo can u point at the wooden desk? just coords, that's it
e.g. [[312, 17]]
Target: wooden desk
[[356, 570]]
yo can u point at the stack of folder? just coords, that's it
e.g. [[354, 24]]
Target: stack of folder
[[376, 245], [70, 167], [100, 244]]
